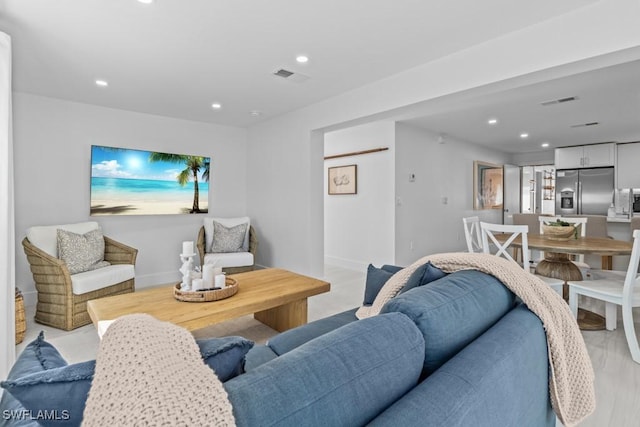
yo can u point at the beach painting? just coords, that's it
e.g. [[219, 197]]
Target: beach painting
[[135, 182]]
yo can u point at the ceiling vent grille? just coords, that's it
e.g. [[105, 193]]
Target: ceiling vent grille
[[283, 73], [559, 101], [290, 75], [582, 125]]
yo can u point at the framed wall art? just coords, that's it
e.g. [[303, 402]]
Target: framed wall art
[[343, 179], [136, 182], [487, 186]]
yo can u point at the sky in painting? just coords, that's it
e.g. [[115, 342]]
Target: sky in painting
[[107, 162]]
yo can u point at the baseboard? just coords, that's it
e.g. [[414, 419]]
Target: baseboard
[[346, 263]]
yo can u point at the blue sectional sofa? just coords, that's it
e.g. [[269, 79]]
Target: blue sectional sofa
[[457, 351]]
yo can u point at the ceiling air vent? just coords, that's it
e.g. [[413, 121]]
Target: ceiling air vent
[[582, 125], [559, 101], [290, 75]]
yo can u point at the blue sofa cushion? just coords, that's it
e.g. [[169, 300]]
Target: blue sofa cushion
[[226, 356], [258, 355], [453, 311], [42, 382], [500, 379], [343, 378], [425, 274], [55, 393], [293, 338]]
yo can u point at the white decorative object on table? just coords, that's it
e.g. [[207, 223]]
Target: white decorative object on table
[[197, 285], [220, 281], [187, 255], [208, 276]]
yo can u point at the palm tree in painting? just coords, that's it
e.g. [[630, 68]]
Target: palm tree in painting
[[193, 165]]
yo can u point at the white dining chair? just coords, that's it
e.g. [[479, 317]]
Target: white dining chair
[[488, 233], [615, 288], [472, 233]]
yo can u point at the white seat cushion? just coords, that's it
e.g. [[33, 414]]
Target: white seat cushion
[[46, 237], [229, 259], [93, 280]]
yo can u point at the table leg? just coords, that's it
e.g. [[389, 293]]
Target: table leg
[[284, 317], [560, 266]]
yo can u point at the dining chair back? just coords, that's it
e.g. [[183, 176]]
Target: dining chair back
[[615, 289], [472, 233], [488, 233], [488, 237]]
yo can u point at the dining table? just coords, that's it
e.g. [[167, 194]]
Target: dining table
[[557, 262]]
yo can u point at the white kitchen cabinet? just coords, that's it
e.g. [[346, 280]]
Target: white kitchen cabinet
[[585, 156], [628, 169]]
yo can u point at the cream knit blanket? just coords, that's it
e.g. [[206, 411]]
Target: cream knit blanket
[[151, 373], [571, 381]]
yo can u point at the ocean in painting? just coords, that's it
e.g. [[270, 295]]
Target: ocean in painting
[[111, 196]]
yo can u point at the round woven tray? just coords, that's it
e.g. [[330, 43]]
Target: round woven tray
[[207, 296], [560, 233]]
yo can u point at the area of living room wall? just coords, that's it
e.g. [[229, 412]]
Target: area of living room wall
[[52, 158], [360, 228], [430, 206]]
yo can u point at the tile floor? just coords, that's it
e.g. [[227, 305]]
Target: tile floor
[[617, 376]]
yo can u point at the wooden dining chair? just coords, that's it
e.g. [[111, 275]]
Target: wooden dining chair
[[488, 234], [615, 288], [472, 233]]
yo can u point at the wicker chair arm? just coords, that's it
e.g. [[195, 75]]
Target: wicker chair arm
[[253, 240], [118, 253], [200, 244], [48, 271]]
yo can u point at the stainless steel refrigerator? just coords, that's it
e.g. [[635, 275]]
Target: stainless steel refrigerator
[[584, 191]]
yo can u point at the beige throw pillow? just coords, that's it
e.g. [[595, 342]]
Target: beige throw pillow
[[81, 252]]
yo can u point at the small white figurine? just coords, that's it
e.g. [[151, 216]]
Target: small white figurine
[[186, 269]]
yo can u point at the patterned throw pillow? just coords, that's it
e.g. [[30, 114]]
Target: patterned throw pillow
[[81, 252], [228, 239]]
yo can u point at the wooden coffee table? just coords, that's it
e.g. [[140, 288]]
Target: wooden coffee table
[[276, 297]]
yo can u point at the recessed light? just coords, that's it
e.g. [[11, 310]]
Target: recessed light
[[255, 113], [545, 144], [102, 83], [146, 1], [302, 59], [216, 106], [524, 135], [492, 121]]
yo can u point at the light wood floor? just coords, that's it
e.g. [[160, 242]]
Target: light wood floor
[[617, 376]]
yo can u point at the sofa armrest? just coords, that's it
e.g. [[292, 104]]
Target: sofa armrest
[[119, 253], [253, 240]]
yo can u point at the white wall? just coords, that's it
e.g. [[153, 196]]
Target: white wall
[[52, 158], [360, 229], [424, 223], [285, 176]]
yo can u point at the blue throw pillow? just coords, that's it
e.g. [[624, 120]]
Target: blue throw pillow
[[42, 382], [376, 278], [225, 356], [424, 274], [55, 393]]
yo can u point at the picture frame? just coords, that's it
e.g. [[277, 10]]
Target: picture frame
[[127, 181], [342, 180], [488, 185]]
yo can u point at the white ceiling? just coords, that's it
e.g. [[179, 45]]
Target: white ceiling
[[175, 57]]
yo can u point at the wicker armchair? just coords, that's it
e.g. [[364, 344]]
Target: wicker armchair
[[57, 305], [253, 247]]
